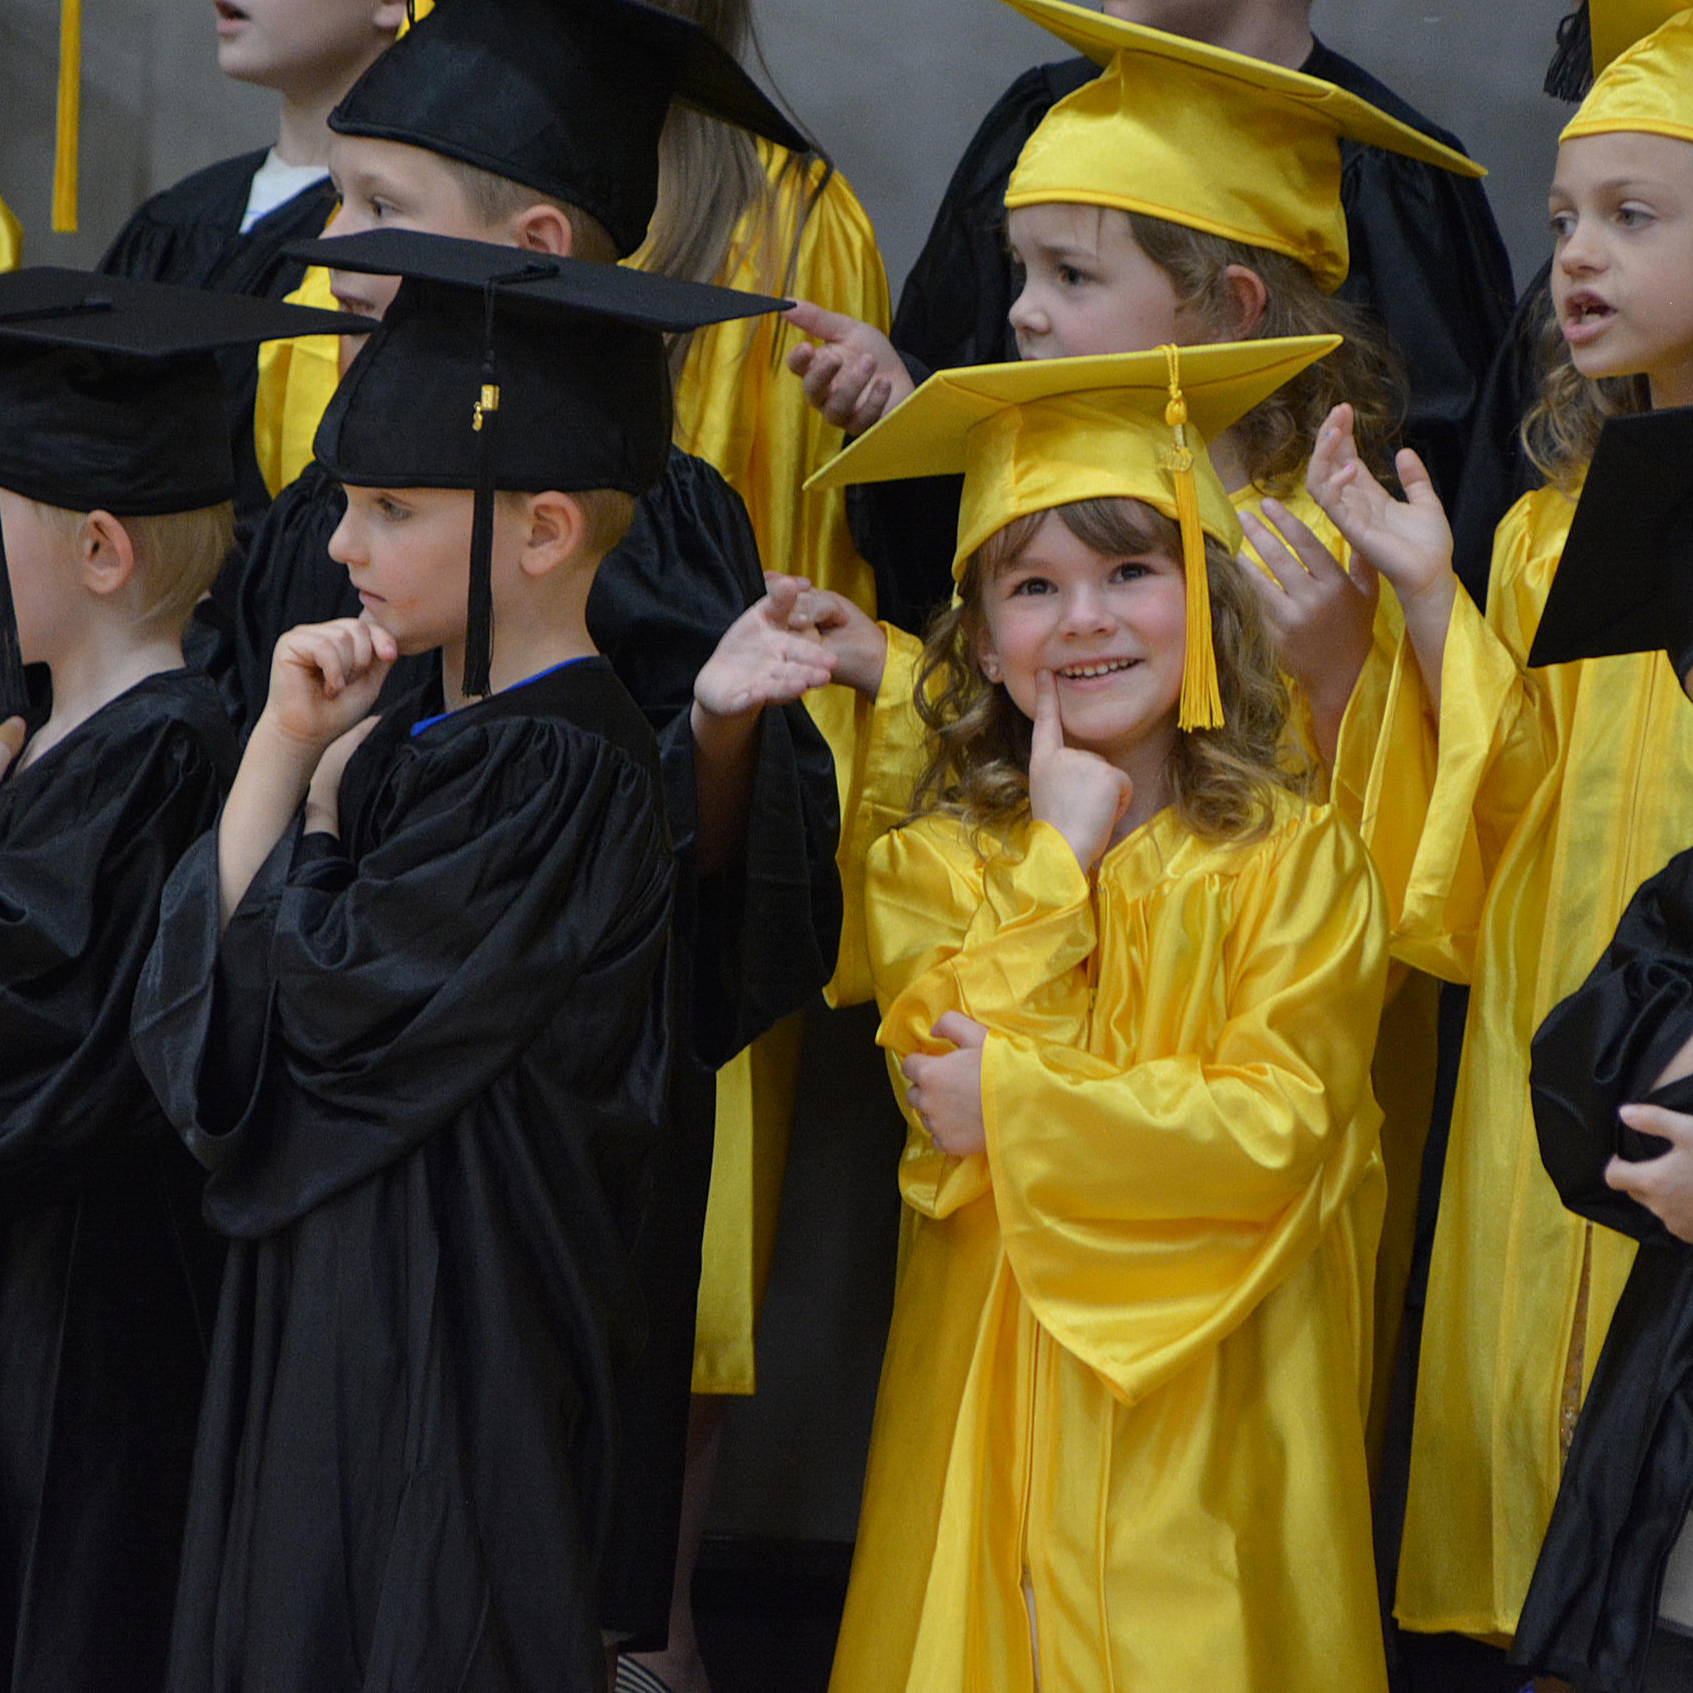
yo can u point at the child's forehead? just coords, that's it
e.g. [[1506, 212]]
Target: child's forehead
[[1067, 225], [1621, 158]]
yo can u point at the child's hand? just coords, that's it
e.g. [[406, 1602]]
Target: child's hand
[[1409, 541], [325, 677], [13, 733], [946, 1091], [1322, 617], [1081, 795], [761, 660], [855, 377], [323, 797], [857, 642], [1664, 1185]]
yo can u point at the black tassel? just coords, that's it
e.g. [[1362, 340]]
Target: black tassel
[[14, 695], [1570, 75], [479, 613]]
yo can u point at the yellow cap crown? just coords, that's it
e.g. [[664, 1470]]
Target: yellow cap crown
[[1200, 136], [1643, 54], [1048, 432]]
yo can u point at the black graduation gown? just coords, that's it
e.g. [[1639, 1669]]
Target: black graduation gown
[[426, 1068], [190, 234], [755, 941], [108, 1279], [1427, 258], [1628, 1485]]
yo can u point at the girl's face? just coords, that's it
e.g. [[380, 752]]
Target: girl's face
[[1622, 269], [1110, 629], [1088, 286]]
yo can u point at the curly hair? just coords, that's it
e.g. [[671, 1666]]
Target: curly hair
[[1561, 430], [1276, 436], [1222, 780]]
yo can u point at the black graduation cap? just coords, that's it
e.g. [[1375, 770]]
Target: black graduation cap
[[566, 96], [1625, 581], [496, 368], [110, 398]]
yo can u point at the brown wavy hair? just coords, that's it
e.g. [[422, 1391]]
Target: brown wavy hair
[[1277, 435], [1561, 430], [1223, 781]]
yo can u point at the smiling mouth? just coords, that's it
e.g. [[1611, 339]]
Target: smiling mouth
[[1104, 667]]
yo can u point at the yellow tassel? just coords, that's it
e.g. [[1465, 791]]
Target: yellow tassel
[[69, 116], [1202, 700]]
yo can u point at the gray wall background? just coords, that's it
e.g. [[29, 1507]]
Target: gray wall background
[[892, 87]]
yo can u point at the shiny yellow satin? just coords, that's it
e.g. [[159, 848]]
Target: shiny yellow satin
[[1508, 852], [11, 239], [296, 379], [1646, 86], [1130, 1344], [739, 408]]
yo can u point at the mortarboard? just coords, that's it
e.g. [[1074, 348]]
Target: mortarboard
[[1197, 135], [1033, 435], [1643, 70], [110, 398], [1624, 583], [501, 369], [566, 96]]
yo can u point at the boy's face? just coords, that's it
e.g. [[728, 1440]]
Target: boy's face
[[1622, 269], [1088, 287], [390, 185], [407, 551], [297, 46]]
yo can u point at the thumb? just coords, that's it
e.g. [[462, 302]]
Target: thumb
[[781, 595], [814, 320], [1414, 478], [962, 1031]]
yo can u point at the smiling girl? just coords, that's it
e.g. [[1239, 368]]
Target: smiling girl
[[1512, 812], [1132, 977]]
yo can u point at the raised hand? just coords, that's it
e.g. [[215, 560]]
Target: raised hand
[[768, 656], [945, 1090], [1083, 796], [1322, 616], [1409, 541], [324, 678], [1664, 1185], [859, 647], [854, 377]]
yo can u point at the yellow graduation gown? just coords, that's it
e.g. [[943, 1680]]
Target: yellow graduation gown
[[297, 379], [1123, 1390], [11, 239], [1509, 849], [738, 408]]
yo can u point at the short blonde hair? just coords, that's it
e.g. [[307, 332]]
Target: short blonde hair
[[608, 512], [177, 555], [495, 200]]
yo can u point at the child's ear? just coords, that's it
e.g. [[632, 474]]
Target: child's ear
[[556, 528], [987, 659], [1248, 299], [389, 15], [543, 229], [106, 553]]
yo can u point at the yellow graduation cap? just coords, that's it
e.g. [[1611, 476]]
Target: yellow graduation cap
[[68, 118], [1643, 64], [1200, 136], [1046, 432]]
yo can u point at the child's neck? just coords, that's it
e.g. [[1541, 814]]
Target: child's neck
[[1229, 462], [519, 653], [94, 672]]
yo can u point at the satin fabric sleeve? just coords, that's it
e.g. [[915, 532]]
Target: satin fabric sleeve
[[1005, 942], [1605, 1046], [1440, 803], [1148, 1208], [880, 751]]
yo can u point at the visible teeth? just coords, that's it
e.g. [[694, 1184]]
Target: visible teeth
[[1078, 672]]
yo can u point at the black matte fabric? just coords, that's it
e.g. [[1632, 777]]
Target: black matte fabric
[[1427, 259], [755, 941], [567, 98], [191, 234], [426, 1069], [1592, 1605], [108, 1278]]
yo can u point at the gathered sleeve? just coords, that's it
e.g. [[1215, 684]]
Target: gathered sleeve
[[1154, 1187]]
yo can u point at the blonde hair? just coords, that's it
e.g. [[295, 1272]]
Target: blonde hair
[[1277, 435], [495, 201], [1561, 430], [1223, 781], [718, 207], [177, 555], [606, 512]]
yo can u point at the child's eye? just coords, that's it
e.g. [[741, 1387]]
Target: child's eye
[[1128, 571], [1070, 276], [1031, 585], [392, 511], [1563, 225], [379, 208], [1633, 217]]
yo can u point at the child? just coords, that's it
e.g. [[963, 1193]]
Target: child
[[420, 1038], [115, 481], [1119, 1440], [1512, 813]]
